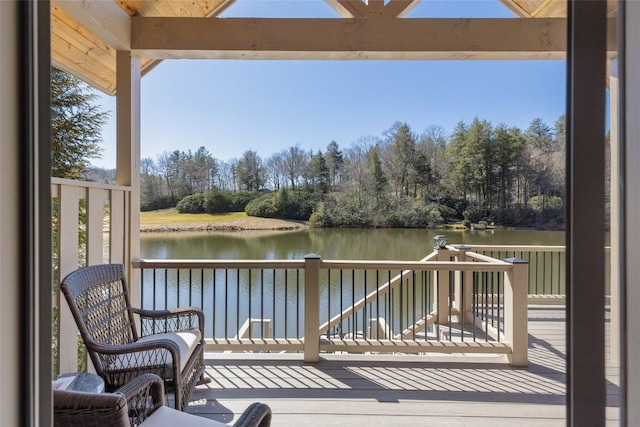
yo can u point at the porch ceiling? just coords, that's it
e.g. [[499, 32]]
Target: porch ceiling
[[85, 35]]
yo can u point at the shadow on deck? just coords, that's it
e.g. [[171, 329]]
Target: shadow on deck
[[398, 390]]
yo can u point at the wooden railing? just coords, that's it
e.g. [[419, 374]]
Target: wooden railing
[[462, 299], [546, 269], [89, 227], [438, 304]]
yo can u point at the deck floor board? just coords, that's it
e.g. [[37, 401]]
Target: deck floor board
[[401, 390]]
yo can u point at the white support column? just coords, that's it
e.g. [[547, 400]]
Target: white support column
[[515, 311], [614, 205], [312, 308], [128, 158]]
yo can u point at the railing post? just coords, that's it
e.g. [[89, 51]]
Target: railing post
[[515, 306], [441, 289], [464, 287], [312, 308]]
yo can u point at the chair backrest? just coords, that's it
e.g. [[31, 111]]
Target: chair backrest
[[99, 301]]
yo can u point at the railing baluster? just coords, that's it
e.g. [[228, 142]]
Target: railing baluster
[[498, 280], [462, 307], [237, 300], [214, 291], [273, 319], [536, 272], [328, 301], [190, 287], [451, 282], [413, 273], [389, 307], [354, 331], [402, 283], [493, 303], [364, 307], [341, 305], [153, 303], [249, 297], [427, 275], [286, 293], [437, 304], [273, 296], [474, 306], [486, 302], [298, 303], [559, 272], [177, 287], [226, 303], [377, 304], [544, 270], [142, 288]]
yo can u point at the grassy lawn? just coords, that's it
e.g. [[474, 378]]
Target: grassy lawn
[[172, 217]]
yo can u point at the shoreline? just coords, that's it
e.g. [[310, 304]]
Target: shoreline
[[231, 225]]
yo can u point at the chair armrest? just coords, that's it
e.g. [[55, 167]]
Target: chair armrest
[[173, 320], [256, 415], [72, 408], [144, 394]]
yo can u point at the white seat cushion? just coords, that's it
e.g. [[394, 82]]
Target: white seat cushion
[[165, 416], [186, 341]]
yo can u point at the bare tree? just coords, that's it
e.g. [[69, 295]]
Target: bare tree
[[295, 163]]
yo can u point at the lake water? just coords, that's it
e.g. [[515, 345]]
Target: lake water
[[374, 244]]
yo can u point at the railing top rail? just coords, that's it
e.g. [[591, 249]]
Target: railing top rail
[[517, 248], [482, 258], [88, 184], [496, 265], [218, 263]]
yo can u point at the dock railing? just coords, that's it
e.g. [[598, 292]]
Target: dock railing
[[451, 301]]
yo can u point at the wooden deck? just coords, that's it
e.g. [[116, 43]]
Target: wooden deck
[[399, 390]]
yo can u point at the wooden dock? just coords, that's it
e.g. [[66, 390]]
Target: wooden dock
[[402, 390]]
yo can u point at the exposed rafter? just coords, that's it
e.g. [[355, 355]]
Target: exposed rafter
[[355, 38], [399, 8], [513, 6], [224, 5], [360, 9]]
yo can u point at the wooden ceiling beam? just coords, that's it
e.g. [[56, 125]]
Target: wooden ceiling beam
[[354, 38], [105, 19]]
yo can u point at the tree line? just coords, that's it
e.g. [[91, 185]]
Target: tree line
[[480, 171]]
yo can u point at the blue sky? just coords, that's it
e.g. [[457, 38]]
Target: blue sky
[[231, 106]]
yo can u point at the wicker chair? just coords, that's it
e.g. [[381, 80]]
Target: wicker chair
[[170, 345], [138, 403]]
